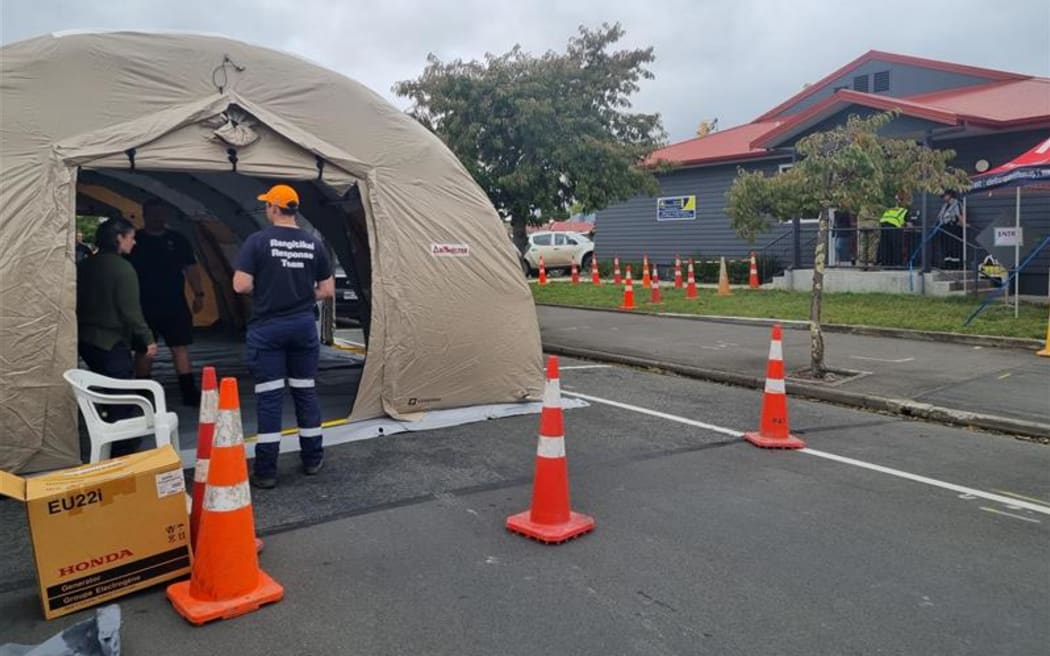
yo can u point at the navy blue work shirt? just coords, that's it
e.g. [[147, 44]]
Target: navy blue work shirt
[[285, 263]]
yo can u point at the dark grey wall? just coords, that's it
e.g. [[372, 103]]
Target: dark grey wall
[[998, 207], [631, 230], [899, 128], [905, 80]]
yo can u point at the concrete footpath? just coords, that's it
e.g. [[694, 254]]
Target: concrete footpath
[[1004, 390]]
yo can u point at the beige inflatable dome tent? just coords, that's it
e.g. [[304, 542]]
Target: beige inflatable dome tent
[[452, 320]]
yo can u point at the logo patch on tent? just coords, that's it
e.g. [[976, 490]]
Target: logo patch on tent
[[450, 250]]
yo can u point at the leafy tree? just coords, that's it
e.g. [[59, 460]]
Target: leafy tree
[[848, 168], [541, 133], [89, 226]]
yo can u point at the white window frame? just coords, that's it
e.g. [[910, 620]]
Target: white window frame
[[803, 221]]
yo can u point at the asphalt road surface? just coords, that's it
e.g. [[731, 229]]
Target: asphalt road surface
[[887, 537]]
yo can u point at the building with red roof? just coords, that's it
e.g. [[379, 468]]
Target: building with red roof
[[986, 116]]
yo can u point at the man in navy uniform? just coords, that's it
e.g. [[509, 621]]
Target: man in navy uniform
[[286, 270]]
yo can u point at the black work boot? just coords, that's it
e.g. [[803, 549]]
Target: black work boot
[[191, 396], [263, 482]]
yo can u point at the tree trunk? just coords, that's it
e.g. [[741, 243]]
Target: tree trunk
[[517, 224], [816, 336]]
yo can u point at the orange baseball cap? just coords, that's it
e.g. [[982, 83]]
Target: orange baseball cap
[[281, 196]]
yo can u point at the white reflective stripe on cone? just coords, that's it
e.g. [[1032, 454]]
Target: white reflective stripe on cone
[[226, 498], [209, 406], [776, 350], [310, 432], [268, 438], [300, 382], [774, 386], [200, 472], [550, 447], [228, 431], [269, 386], [552, 394]]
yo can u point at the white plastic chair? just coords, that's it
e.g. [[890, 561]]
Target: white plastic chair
[[156, 421]]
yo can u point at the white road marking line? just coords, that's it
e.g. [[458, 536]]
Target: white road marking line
[[1021, 496], [585, 366], [999, 512], [661, 415], [899, 361], [997, 498]]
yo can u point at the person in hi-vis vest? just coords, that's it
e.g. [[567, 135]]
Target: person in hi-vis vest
[[892, 225]]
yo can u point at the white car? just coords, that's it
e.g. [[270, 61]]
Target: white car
[[559, 251]]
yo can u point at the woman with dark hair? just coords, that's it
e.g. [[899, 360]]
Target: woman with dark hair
[[109, 318]]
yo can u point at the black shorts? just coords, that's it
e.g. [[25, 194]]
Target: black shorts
[[172, 322]]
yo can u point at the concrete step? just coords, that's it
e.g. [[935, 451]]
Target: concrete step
[[958, 287], [939, 275]]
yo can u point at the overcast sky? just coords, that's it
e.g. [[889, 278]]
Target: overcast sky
[[731, 59]]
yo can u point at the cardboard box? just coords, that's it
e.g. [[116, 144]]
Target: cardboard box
[[104, 530]]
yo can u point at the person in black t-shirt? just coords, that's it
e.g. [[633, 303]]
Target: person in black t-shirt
[[164, 262], [286, 270]]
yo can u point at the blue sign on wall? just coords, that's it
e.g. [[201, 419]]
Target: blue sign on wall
[[676, 208]]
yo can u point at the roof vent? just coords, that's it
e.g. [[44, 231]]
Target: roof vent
[[882, 81], [860, 83]]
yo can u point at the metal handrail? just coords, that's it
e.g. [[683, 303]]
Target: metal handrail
[[1009, 279], [937, 230], [911, 260], [773, 242]]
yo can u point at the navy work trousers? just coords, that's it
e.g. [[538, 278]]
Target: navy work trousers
[[284, 350]]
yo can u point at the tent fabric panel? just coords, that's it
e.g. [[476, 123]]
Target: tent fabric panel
[[190, 148], [38, 415], [441, 310]]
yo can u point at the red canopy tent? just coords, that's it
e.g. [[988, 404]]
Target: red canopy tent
[[1031, 167]]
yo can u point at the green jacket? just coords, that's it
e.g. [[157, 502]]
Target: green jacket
[[108, 309]]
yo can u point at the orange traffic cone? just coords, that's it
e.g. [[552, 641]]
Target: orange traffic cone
[[596, 278], [205, 433], [226, 580], [774, 432], [617, 280], [655, 298], [646, 280], [1046, 350], [690, 289], [550, 518], [677, 272], [575, 274], [752, 276], [628, 292], [543, 272], [723, 280]]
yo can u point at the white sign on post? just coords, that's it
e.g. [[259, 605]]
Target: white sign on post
[[1009, 236]]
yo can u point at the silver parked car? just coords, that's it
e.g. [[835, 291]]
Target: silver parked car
[[559, 251]]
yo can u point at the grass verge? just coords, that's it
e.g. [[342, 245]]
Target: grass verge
[[887, 310]]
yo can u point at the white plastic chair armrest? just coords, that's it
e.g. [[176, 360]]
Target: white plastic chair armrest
[[139, 384], [122, 399]]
